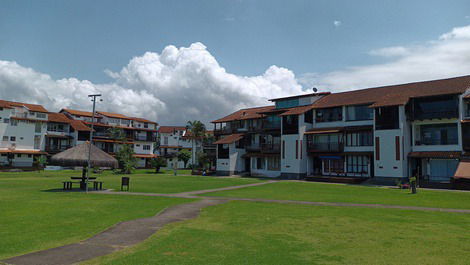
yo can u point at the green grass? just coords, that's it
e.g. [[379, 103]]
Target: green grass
[[33, 216], [323, 192], [269, 233]]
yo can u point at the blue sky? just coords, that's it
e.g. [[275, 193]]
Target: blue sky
[[82, 38], [173, 61]]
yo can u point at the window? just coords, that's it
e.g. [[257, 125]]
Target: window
[[41, 115], [329, 114], [442, 169], [31, 113], [287, 103], [386, 118], [308, 116], [52, 127], [29, 156], [359, 113], [438, 134], [37, 127], [359, 138], [12, 138], [165, 140], [13, 122], [18, 155], [260, 163], [5, 138], [333, 166], [6, 121], [290, 124], [146, 125], [146, 147], [274, 163], [357, 164], [222, 151], [435, 107]]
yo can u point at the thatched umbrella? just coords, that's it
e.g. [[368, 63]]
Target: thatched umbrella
[[78, 156]]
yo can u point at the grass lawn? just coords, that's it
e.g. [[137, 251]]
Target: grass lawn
[[325, 192], [269, 233]]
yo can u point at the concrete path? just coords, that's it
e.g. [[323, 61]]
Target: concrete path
[[120, 236]]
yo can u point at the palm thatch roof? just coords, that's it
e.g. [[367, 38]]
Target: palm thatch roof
[[78, 156]]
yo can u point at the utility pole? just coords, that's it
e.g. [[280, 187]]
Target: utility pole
[[93, 99]]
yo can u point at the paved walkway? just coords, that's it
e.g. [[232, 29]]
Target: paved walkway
[[129, 233], [120, 236]]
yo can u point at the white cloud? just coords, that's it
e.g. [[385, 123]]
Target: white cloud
[[172, 87], [337, 23], [447, 56]]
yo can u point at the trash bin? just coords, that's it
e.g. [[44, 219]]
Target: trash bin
[[125, 183]]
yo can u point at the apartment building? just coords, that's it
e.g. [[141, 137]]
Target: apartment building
[[382, 134], [138, 132], [173, 139], [22, 130]]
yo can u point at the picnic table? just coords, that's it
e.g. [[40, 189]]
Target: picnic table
[[96, 184]]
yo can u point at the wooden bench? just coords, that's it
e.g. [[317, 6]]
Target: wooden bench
[[68, 184], [97, 185]]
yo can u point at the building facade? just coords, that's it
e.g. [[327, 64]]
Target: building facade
[[381, 134]]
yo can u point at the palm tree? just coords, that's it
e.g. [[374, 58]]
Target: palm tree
[[197, 131]]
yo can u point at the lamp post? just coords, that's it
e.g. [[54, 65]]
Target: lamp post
[[93, 99]]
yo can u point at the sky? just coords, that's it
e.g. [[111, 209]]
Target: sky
[[174, 61]]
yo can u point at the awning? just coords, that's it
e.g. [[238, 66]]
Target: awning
[[436, 154], [29, 152], [463, 170], [230, 139], [145, 155], [324, 131]]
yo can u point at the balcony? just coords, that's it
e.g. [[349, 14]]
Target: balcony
[[449, 114], [271, 148], [253, 147], [56, 148], [145, 138], [333, 147], [272, 125], [224, 130]]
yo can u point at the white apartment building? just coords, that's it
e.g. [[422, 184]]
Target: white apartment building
[[381, 134], [174, 139], [22, 133], [138, 132]]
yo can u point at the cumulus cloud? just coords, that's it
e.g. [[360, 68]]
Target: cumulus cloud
[[171, 87], [446, 56]]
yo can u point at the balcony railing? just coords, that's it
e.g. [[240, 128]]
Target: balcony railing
[[253, 147], [55, 148], [271, 148], [272, 125], [325, 147], [439, 114], [145, 138]]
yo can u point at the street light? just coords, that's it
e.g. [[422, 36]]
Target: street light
[[93, 99]]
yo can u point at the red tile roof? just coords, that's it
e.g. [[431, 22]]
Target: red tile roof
[[114, 115], [142, 120], [245, 114], [230, 138], [79, 126], [297, 110], [31, 107], [170, 129], [436, 154], [58, 117], [395, 94], [78, 112]]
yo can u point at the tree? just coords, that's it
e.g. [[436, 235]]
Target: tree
[[126, 158], [41, 162], [157, 163], [203, 159], [197, 131], [184, 155]]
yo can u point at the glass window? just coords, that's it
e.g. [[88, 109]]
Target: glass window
[[274, 163], [290, 124], [359, 138], [12, 138], [5, 138], [13, 122], [260, 162], [438, 134], [329, 114], [41, 115], [37, 127], [442, 169], [357, 164], [287, 103], [308, 116], [386, 118], [333, 166], [359, 113]]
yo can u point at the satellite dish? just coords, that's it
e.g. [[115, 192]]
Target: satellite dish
[[314, 89]]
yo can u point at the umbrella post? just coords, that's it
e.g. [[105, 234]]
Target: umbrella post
[[93, 98]]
